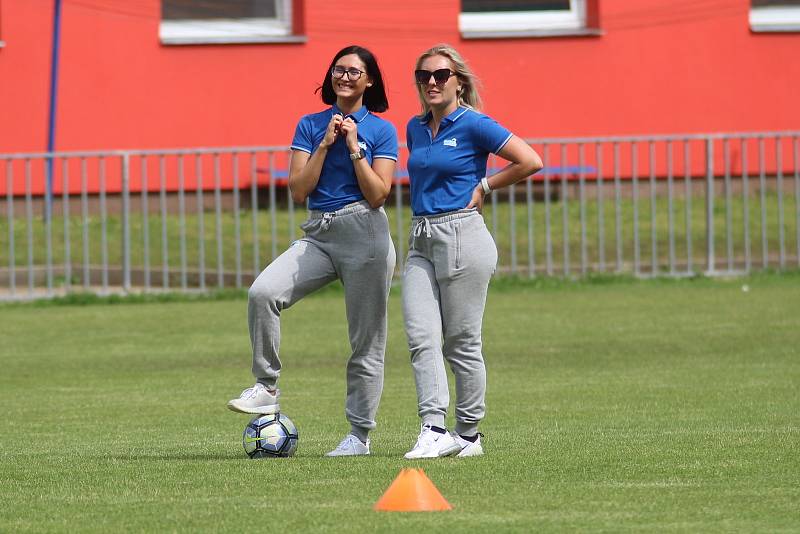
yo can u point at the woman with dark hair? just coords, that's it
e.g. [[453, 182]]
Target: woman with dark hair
[[342, 163]]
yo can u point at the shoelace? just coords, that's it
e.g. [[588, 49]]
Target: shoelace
[[346, 444], [426, 437], [248, 393]]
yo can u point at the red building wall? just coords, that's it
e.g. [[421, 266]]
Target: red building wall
[[659, 67]]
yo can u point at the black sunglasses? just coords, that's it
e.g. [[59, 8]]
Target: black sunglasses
[[440, 76]]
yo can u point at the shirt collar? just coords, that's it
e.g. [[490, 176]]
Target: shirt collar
[[358, 116], [452, 117]]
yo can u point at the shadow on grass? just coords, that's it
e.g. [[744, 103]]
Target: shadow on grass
[[173, 457]]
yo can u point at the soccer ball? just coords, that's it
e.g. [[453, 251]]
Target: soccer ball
[[272, 435]]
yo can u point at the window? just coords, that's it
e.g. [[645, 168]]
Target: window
[[775, 15], [523, 18], [226, 21]]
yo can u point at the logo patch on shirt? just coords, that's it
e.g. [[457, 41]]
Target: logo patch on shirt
[[451, 142], [362, 145]]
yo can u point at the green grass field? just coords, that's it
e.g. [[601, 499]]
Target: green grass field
[[612, 406]]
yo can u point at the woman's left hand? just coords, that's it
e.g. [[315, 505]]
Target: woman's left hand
[[477, 199], [350, 132]]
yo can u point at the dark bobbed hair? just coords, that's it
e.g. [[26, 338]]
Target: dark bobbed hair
[[374, 97]]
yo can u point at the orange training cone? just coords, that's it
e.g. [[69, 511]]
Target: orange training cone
[[412, 491]]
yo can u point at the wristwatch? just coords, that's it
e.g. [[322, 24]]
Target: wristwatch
[[361, 154]]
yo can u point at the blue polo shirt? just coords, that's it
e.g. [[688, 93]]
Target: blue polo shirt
[[444, 171], [337, 184]]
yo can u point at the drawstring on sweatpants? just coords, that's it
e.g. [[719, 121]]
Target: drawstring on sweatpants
[[422, 224], [425, 224], [327, 218]]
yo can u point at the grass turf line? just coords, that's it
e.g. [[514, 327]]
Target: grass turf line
[[632, 406]]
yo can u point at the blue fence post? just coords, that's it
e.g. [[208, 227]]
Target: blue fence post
[[51, 120]]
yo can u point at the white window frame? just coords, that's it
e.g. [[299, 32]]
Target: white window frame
[[524, 23], [231, 31], [775, 18]]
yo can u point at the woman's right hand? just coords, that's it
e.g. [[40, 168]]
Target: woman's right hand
[[333, 130], [477, 199]]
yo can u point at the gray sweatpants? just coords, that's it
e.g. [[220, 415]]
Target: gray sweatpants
[[353, 245], [450, 261]]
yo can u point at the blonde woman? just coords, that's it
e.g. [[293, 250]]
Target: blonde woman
[[452, 255]]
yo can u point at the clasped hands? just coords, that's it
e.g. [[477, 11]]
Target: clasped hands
[[339, 126]]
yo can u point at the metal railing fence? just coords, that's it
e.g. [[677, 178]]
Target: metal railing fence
[[197, 219]]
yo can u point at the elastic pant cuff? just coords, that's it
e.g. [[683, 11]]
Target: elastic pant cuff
[[466, 429], [360, 432], [269, 383], [434, 420]]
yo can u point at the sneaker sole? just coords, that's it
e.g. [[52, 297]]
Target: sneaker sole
[[456, 448], [477, 452], [258, 410]]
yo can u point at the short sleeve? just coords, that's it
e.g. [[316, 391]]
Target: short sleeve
[[303, 138], [386, 142], [491, 136]]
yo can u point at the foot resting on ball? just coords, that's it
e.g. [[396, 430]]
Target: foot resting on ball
[[257, 399]]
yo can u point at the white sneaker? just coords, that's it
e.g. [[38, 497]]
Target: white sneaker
[[469, 448], [431, 444], [256, 399], [350, 446]]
